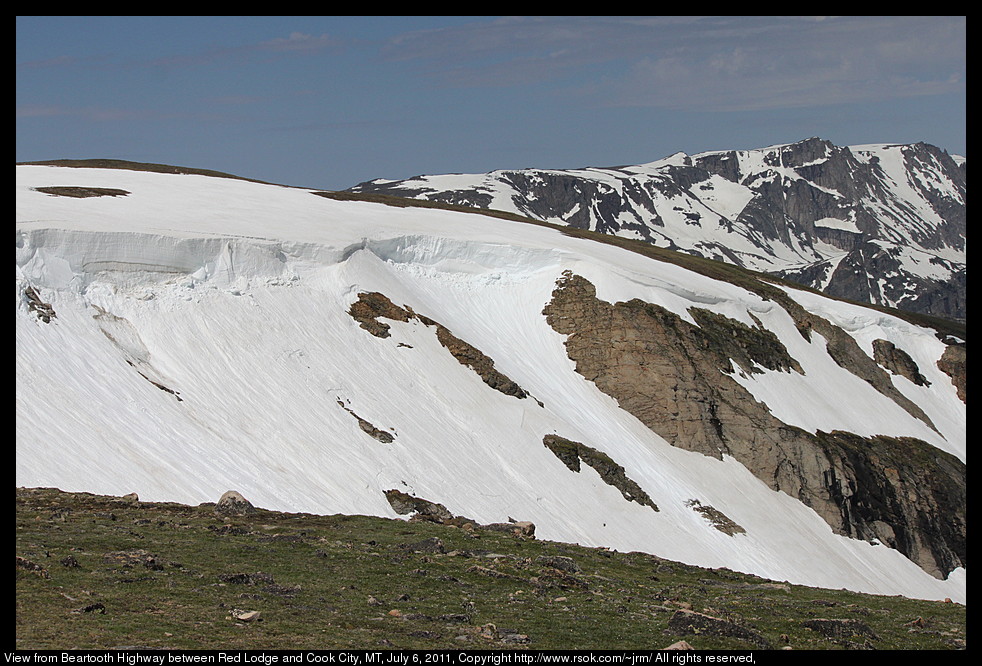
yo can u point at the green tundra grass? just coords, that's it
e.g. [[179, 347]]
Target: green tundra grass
[[100, 572]]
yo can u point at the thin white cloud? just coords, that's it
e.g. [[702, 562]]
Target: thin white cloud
[[295, 43], [709, 63], [843, 60], [58, 61], [300, 42], [99, 114]]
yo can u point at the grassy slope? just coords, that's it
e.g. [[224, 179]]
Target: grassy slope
[[323, 573]]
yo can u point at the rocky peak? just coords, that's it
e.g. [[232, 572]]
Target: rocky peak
[[801, 210]]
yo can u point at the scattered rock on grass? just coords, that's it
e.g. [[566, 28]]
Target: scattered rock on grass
[[431, 545], [835, 628], [134, 558], [91, 608], [690, 622], [560, 562], [33, 567]]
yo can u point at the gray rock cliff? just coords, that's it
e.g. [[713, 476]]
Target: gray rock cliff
[[675, 377], [882, 224]]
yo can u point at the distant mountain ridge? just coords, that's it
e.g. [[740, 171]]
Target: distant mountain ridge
[[877, 223]]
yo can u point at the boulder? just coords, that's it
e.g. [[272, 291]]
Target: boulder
[[233, 503], [520, 529], [403, 503]]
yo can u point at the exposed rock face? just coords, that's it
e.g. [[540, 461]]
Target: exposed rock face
[[953, 364], [897, 361], [888, 207], [845, 351], [675, 378], [571, 453], [371, 306], [665, 371], [42, 310], [716, 518], [900, 491], [383, 436], [472, 357]]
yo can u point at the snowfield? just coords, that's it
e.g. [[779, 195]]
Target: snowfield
[[233, 296]]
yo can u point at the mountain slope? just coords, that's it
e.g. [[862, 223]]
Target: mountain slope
[[182, 335], [880, 223]]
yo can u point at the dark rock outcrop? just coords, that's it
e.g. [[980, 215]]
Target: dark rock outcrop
[[82, 192], [676, 378], [383, 436], [42, 310], [571, 453], [953, 364], [716, 518], [422, 509], [897, 361], [370, 307], [405, 504]]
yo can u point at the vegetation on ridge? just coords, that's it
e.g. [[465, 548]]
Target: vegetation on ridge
[[103, 572]]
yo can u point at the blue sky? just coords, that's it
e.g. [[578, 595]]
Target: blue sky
[[329, 102]]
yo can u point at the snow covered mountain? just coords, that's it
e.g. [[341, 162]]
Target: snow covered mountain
[[182, 335], [880, 224]]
